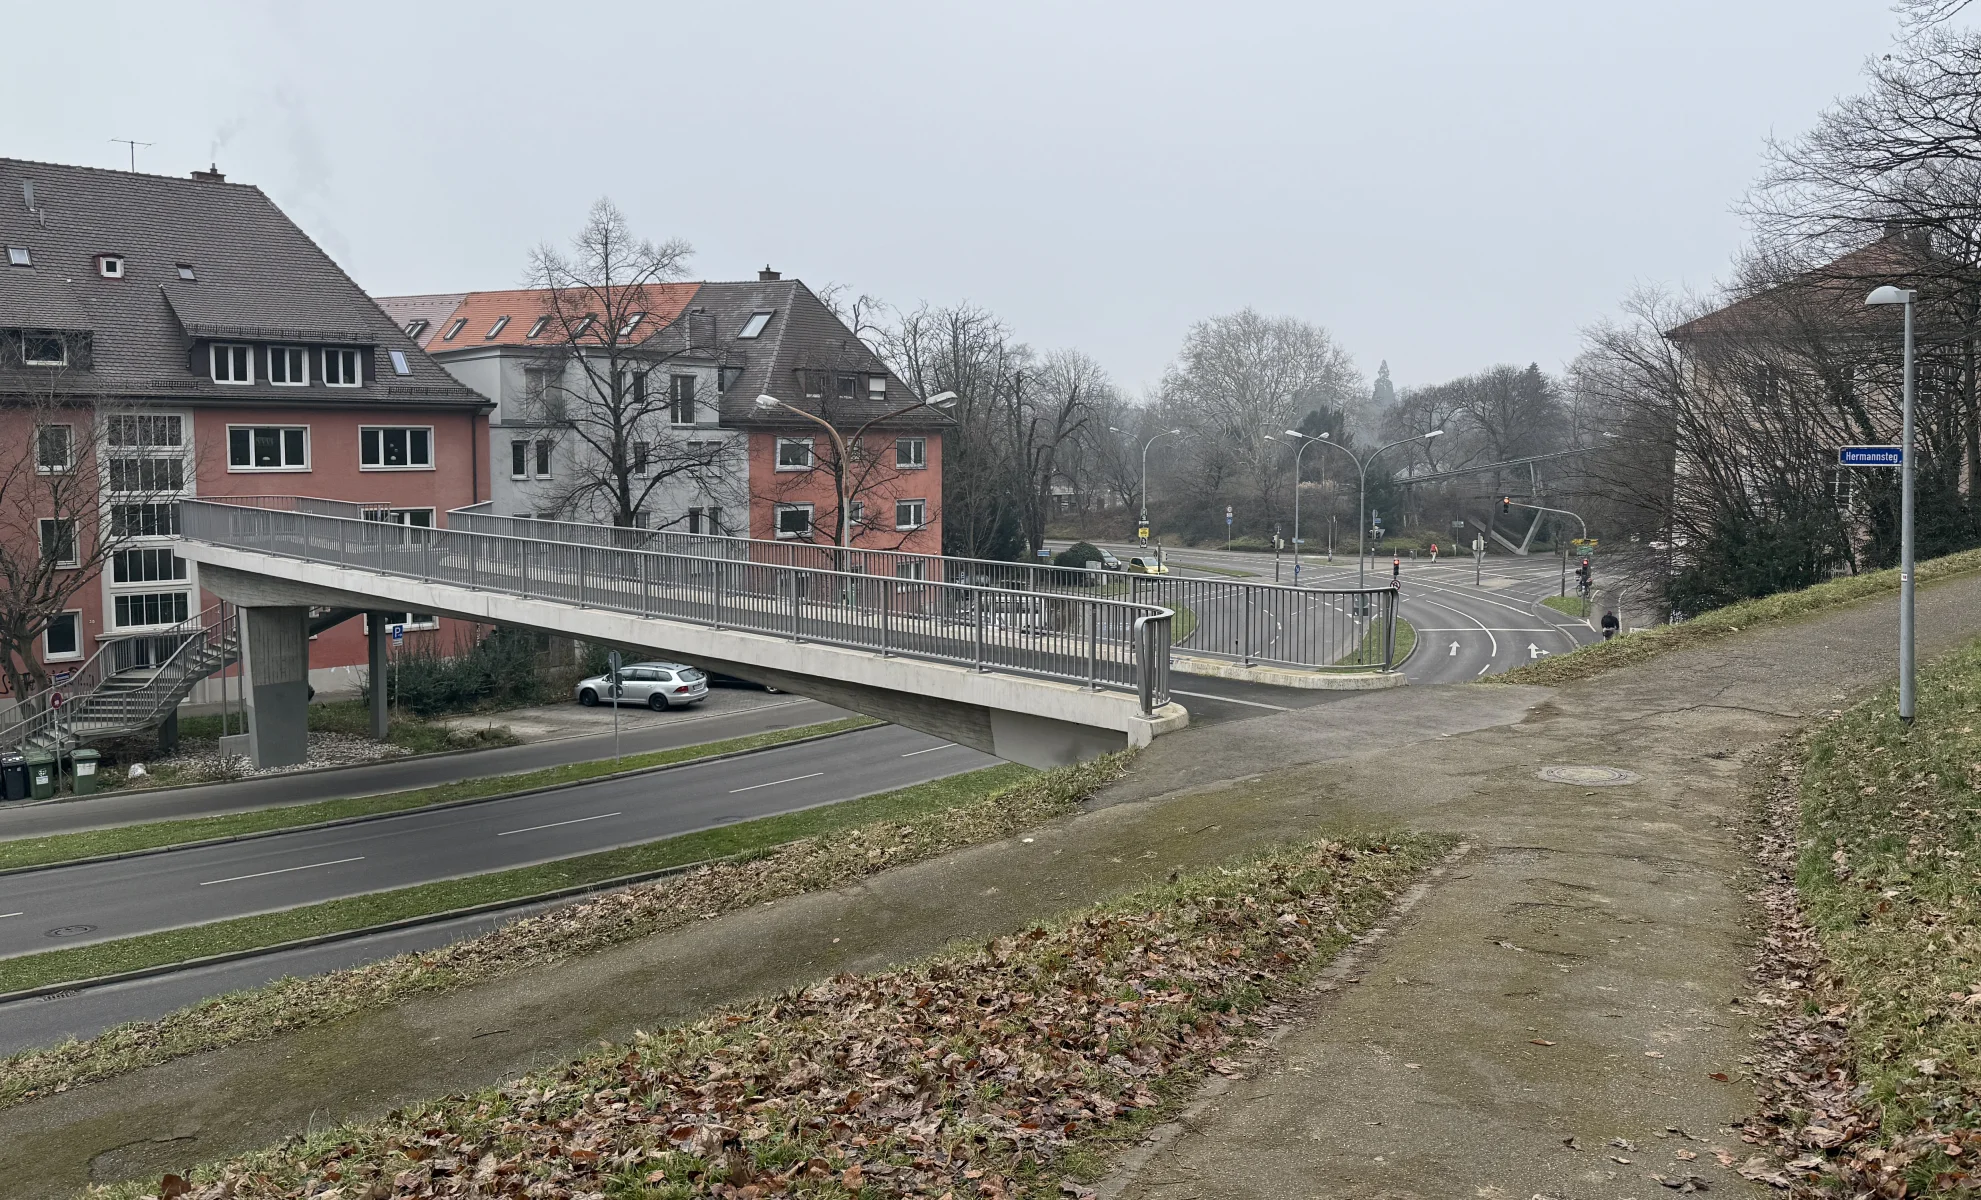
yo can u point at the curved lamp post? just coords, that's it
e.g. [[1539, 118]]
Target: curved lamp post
[[1894, 295], [767, 403], [1144, 522], [1362, 468]]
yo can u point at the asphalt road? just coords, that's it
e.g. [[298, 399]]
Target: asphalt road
[[68, 906]]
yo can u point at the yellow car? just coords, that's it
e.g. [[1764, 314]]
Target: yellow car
[[1147, 566]]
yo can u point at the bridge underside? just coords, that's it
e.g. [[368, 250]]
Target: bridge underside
[[1037, 722]]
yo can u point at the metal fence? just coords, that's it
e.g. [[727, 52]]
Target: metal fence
[[1347, 629], [1095, 640]]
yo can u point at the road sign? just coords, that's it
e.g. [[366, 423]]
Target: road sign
[[398, 632], [1044, 553], [1870, 456], [1583, 545], [1142, 532], [55, 701], [1227, 514], [612, 660]]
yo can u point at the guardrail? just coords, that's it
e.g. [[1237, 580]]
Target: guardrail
[[1098, 641], [1232, 619]]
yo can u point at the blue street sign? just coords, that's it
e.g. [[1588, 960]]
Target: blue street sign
[[1870, 456], [398, 633]]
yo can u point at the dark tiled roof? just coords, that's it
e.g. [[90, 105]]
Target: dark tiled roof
[[258, 277], [1831, 296], [434, 310]]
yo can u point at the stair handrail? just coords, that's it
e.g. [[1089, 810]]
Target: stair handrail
[[209, 630], [87, 680]]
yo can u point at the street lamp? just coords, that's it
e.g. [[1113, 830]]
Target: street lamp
[[1304, 442], [1894, 295], [768, 403], [1362, 468], [1144, 522]]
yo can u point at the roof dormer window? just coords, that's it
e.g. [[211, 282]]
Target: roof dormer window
[[754, 327], [536, 327], [186, 271], [416, 327], [18, 256], [110, 266], [454, 330], [631, 322], [495, 330]]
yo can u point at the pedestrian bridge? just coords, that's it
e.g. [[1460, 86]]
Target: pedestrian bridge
[[1037, 679]]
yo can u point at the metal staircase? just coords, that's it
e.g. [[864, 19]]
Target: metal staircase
[[128, 686]]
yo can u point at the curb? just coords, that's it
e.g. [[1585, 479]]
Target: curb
[[345, 935], [424, 808]]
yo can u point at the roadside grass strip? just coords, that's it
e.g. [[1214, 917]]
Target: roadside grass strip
[[991, 1071], [1574, 606], [125, 839], [1877, 1071], [1628, 648], [777, 856], [1371, 651]]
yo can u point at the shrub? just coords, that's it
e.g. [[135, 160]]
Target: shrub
[[503, 668], [1078, 555]]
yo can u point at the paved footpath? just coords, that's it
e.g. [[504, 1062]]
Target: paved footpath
[[1608, 921]]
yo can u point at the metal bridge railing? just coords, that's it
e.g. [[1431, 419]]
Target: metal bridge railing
[[1347, 629], [1097, 641]]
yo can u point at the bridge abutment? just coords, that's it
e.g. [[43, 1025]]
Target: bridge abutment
[[275, 667]]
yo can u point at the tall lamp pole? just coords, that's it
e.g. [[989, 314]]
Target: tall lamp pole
[[1362, 467], [1304, 442], [1144, 523], [1905, 296], [767, 402]]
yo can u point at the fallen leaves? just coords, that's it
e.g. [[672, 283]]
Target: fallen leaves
[[969, 1074], [1539, 1042]]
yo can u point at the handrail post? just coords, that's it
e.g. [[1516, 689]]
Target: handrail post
[[977, 602], [886, 614], [1093, 647], [1246, 632], [643, 585], [797, 607], [715, 614], [1389, 633]]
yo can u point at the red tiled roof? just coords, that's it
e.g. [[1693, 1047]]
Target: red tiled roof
[[1832, 294], [478, 315]]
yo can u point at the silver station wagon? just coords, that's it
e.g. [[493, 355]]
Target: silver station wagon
[[658, 685]]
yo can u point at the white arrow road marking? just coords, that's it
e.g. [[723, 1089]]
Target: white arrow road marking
[[555, 824], [773, 783], [1534, 651], [283, 871], [1454, 649]]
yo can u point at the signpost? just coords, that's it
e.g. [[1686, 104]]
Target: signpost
[[1227, 527], [1870, 456], [612, 688], [1478, 560], [1142, 532]]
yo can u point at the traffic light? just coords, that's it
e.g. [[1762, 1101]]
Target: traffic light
[[1506, 505]]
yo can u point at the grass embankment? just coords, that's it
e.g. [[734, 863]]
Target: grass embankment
[[1574, 606], [798, 852], [988, 1072], [1370, 653], [66, 847], [1628, 648], [1889, 879]]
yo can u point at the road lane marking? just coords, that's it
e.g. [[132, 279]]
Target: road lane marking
[[283, 871], [930, 750], [4, 916], [1229, 700], [1475, 621], [773, 783], [555, 824], [1476, 628], [1483, 670]]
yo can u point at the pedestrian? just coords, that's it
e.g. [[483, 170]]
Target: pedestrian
[[1609, 625], [1434, 552]]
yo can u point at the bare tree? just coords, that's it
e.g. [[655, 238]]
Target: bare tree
[[601, 375]]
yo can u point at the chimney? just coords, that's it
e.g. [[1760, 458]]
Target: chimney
[[767, 275], [210, 175]]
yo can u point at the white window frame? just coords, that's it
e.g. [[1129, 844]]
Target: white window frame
[[61, 343], [381, 431], [454, 330], [856, 512], [519, 447], [110, 266], [48, 652], [921, 455], [295, 355], [921, 513], [356, 360], [754, 327], [399, 364], [213, 351], [536, 327], [75, 540], [120, 559], [235, 469], [20, 256], [811, 460], [876, 387], [414, 622], [777, 524], [69, 450], [183, 593]]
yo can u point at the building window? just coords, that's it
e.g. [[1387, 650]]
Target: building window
[[910, 514], [147, 475], [18, 256], [519, 460], [386, 449], [632, 322], [288, 366], [454, 330], [54, 449], [495, 330], [149, 608], [58, 541], [754, 327], [536, 327], [44, 350], [417, 518], [144, 520], [681, 399], [411, 621], [543, 458], [642, 458], [911, 454], [849, 386], [725, 378], [342, 369], [233, 363], [856, 512], [268, 448], [794, 454], [911, 568], [794, 520], [63, 639], [125, 432], [416, 327], [876, 387], [399, 364], [706, 520], [146, 566], [186, 271]]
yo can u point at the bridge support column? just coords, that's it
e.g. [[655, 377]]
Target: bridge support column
[[380, 676], [275, 667]]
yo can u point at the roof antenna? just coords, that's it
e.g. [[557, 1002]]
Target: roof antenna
[[134, 149]]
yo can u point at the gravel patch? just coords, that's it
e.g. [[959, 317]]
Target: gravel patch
[[202, 762]]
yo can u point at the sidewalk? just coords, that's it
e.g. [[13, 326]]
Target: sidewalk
[[1608, 921]]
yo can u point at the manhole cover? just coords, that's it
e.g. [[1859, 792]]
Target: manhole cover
[[70, 931], [1590, 776]]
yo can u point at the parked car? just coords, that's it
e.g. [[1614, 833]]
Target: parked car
[[718, 679], [1107, 560], [1151, 565], [658, 685]]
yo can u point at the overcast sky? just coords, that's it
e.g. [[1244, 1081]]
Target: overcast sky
[[1442, 185]]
